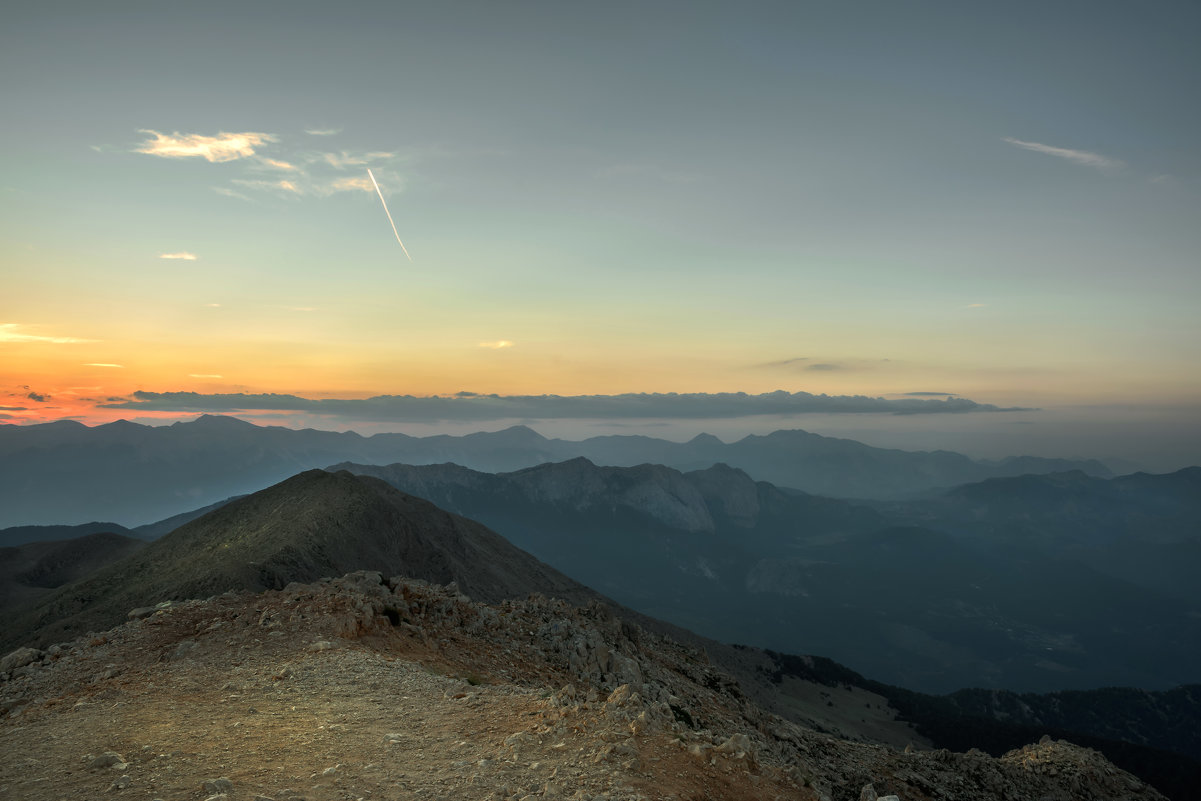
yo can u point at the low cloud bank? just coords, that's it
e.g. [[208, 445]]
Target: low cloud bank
[[472, 407]]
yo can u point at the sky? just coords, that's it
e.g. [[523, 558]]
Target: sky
[[923, 224]]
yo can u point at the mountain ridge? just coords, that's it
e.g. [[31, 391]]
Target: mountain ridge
[[136, 474]]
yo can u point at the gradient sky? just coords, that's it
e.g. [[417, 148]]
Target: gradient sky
[[998, 201]]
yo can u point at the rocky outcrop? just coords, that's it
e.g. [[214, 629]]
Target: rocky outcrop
[[606, 706]]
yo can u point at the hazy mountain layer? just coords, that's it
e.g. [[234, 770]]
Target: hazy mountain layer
[[1145, 529], [135, 474], [743, 561]]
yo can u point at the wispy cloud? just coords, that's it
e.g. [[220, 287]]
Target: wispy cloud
[[286, 186], [786, 362], [12, 332], [205, 375], [466, 406], [184, 255], [1082, 157], [322, 131], [278, 165], [224, 190], [497, 345], [103, 364], [975, 306], [222, 147], [289, 169], [37, 397], [350, 185], [343, 159], [815, 365]]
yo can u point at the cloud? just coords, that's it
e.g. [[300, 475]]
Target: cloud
[[975, 306], [928, 394], [222, 147], [180, 255], [322, 131], [9, 333], [497, 345], [349, 185], [14, 408], [309, 172], [785, 362], [469, 407], [343, 159], [1082, 157], [205, 375], [813, 365], [287, 186], [223, 190], [38, 398], [104, 364], [278, 165]]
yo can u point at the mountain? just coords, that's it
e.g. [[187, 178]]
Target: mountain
[[20, 535], [312, 525], [134, 474], [316, 522], [365, 687], [35, 569], [1152, 734], [744, 561], [1143, 529]]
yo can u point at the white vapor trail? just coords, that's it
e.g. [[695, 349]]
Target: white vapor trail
[[381, 200]]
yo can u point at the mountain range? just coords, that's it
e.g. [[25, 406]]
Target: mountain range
[[66, 472], [319, 523], [906, 593]]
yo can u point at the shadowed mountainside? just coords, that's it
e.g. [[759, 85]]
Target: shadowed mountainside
[[313, 525], [35, 569], [739, 560]]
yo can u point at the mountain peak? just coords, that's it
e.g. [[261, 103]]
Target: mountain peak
[[705, 440], [217, 422], [121, 425]]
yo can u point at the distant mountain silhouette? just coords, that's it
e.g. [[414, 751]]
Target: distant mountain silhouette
[[912, 604], [20, 535], [135, 474]]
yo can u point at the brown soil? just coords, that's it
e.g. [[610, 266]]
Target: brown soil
[[358, 688]]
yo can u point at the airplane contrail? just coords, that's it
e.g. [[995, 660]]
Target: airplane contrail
[[381, 200]]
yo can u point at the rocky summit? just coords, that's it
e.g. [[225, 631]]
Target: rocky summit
[[367, 687]]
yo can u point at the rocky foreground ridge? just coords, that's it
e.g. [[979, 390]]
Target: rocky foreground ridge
[[363, 687]]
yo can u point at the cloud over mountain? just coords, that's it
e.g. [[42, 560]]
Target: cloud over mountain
[[473, 407]]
